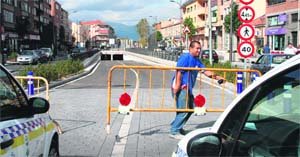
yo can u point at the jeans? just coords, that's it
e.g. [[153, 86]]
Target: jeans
[[181, 117]]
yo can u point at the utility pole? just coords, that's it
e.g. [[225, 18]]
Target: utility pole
[[210, 33], [181, 22], [230, 36]]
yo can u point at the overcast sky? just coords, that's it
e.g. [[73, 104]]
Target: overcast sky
[[128, 12]]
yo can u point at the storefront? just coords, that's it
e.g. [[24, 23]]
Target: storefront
[[276, 38]]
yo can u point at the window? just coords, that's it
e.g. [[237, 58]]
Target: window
[[8, 16], [10, 2], [13, 103], [24, 7], [294, 17], [274, 21], [272, 2], [273, 124]]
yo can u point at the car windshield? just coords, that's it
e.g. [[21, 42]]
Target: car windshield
[[27, 52]]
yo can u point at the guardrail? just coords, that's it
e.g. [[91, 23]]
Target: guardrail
[[162, 102]]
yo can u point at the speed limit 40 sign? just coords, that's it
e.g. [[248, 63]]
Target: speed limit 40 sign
[[245, 49]]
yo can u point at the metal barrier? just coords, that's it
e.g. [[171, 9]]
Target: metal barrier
[[163, 102], [37, 81]]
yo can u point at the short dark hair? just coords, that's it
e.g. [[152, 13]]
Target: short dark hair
[[192, 44]]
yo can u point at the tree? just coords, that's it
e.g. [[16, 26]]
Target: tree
[[143, 31], [235, 21], [188, 22], [159, 36]]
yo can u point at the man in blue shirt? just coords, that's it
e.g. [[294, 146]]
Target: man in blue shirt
[[182, 86], [266, 49]]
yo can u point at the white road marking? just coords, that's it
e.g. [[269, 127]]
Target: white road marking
[[119, 147]]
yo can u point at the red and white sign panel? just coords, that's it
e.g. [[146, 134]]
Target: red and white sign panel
[[245, 49], [246, 31], [246, 14], [246, 2]]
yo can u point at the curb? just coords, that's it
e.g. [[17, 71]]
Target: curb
[[89, 67]]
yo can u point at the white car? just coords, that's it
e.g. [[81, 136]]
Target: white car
[[26, 129], [28, 57], [264, 120]]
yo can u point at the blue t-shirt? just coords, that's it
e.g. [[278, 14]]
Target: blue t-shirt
[[188, 61]]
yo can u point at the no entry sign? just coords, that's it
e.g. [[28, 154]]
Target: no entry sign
[[246, 31]]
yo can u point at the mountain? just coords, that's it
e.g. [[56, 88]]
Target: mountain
[[124, 31]]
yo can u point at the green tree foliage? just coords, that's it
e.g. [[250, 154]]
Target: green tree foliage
[[188, 22], [159, 36], [235, 21], [143, 31]]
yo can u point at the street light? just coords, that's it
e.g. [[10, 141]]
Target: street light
[[180, 5], [155, 32]]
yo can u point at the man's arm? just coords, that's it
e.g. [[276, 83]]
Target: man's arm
[[177, 87], [212, 75]]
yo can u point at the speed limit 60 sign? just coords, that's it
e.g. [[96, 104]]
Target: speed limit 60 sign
[[245, 49]]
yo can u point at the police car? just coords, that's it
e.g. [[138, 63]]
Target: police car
[[264, 120], [26, 129]]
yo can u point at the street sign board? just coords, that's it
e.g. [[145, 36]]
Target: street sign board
[[245, 49], [246, 14], [246, 31], [186, 30], [246, 2]]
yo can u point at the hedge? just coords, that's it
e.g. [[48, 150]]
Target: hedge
[[54, 72]]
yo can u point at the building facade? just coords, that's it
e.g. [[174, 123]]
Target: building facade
[[282, 23]]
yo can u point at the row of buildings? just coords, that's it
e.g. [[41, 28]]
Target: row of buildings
[[276, 23], [31, 24]]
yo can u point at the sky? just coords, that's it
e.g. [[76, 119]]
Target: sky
[[127, 12]]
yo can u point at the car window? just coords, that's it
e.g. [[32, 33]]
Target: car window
[[261, 60], [13, 102], [279, 59], [272, 126]]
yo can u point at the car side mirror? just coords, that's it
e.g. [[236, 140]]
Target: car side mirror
[[253, 62], [205, 145], [39, 105]]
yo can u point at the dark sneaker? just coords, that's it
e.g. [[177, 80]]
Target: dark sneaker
[[183, 132]]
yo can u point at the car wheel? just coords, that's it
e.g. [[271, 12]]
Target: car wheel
[[53, 152]]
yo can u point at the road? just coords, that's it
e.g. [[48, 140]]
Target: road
[[80, 109]]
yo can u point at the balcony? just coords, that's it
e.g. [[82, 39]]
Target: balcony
[[201, 11]]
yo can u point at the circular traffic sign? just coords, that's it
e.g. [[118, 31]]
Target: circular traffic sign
[[246, 2], [246, 14], [246, 31], [245, 49]]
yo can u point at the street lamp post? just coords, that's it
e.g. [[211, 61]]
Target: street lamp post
[[180, 18], [230, 36], [155, 31]]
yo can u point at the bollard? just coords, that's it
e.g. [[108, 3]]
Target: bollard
[[239, 82], [254, 76], [30, 85]]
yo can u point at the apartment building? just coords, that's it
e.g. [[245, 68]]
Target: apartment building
[[282, 23], [27, 24], [171, 31]]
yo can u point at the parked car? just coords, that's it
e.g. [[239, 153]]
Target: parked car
[[43, 57], [205, 55], [268, 61], [262, 121], [28, 57], [26, 128], [49, 52]]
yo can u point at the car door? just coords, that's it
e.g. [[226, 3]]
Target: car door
[[22, 134], [266, 121]]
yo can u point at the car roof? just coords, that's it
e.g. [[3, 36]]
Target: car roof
[[281, 67]]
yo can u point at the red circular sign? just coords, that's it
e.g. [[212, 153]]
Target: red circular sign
[[246, 2], [245, 49], [125, 99], [246, 31], [246, 14], [199, 101]]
